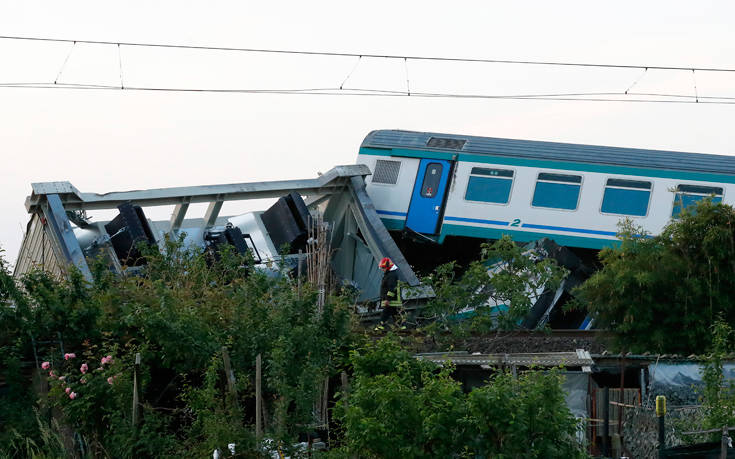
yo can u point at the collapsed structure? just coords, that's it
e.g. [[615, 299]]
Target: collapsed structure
[[59, 235]]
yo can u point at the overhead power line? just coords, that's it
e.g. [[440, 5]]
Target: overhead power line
[[578, 97], [623, 96], [369, 55]]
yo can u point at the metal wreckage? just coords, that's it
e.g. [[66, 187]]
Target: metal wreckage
[[59, 235], [418, 198]]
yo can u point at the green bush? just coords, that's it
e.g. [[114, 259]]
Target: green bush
[[402, 407], [661, 293], [178, 314]]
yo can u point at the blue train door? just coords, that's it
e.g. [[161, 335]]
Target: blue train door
[[428, 196]]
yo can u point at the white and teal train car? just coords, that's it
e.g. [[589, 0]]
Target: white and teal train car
[[444, 185]]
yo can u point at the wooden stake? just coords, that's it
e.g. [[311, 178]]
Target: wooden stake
[[298, 275], [231, 383], [345, 387], [136, 390], [724, 443], [606, 417], [258, 400]]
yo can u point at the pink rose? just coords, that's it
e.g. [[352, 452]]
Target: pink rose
[[109, 380], [73, 395], [62, 378], [83, 380], [68, 389], [70, 355], [83, 368], [51, 374], [106, 360], [46, 365]]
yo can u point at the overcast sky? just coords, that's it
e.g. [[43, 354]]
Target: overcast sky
[[105, 140]]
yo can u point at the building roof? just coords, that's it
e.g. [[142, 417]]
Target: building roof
[[551, 151], [578, 358]]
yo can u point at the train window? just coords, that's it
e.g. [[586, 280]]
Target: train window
[[432, 178], [687, 195], [386, 172], [626, 197], [557, 191], [489, 185]]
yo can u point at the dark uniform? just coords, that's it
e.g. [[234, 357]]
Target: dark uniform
[[389, 291]]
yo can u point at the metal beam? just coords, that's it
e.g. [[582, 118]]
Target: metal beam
[[379, 241], [333, 181], [210, 217], [315, 200], [177, 217], [61, 230]]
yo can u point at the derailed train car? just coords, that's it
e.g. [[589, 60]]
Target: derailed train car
[[442, 185]]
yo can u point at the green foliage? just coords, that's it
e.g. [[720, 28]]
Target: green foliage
[[178, 313], [660, 293], [183, 308], [718, 396], [403, 407], [523, 417], [499, 301]]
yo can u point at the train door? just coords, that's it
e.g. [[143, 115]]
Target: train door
[[428, 196]]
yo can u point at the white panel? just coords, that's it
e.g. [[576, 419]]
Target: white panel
[[391, 198]]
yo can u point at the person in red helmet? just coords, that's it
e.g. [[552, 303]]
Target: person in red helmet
[[390, 292]]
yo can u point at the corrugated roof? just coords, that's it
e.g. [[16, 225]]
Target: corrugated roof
[[579, 358], [555, 151]]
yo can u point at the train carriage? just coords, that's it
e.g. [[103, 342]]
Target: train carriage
[[443, 185]]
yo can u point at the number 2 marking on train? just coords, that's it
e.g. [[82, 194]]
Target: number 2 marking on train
[[516, 222]]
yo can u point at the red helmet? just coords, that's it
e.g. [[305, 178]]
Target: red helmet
[[385, 263]]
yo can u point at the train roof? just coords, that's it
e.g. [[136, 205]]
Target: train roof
[[553, 151]]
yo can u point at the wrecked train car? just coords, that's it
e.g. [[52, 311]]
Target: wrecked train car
[[444, 186], [59, 235]]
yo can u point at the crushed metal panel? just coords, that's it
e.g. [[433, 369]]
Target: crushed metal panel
[[61, 230], [54, 188], [376, 235], [38, 251]]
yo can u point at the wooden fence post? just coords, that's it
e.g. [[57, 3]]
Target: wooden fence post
[[661, 414], [298, 275], [724, 443], [258, 399], [606, 421], [345, 387], [136, 390], [231, 383]]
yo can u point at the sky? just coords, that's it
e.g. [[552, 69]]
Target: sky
[[110, 140]]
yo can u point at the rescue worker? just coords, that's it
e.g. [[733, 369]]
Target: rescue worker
[[390, 292]]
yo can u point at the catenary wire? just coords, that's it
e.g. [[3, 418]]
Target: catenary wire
[[578, 97], [368, 55]]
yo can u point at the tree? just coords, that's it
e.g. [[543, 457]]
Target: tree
[[661, 293], [718, 395], [494, 300], [403, 407]]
